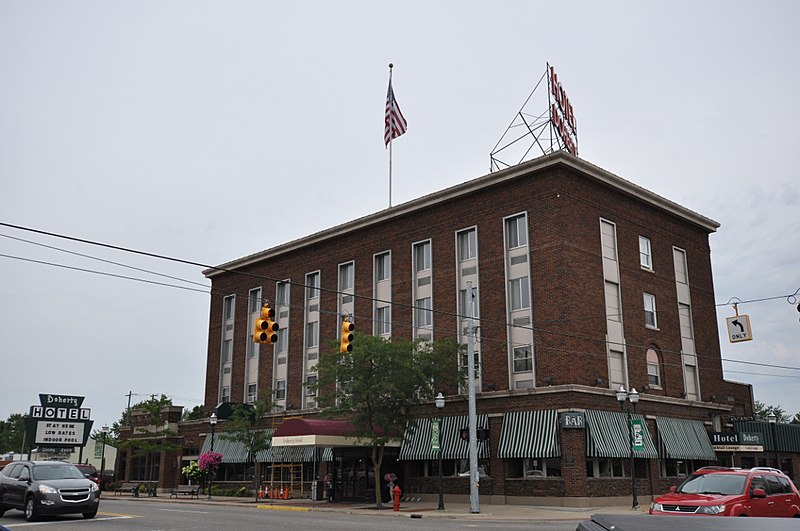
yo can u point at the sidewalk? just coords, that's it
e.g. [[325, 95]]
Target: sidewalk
[[407, 509]]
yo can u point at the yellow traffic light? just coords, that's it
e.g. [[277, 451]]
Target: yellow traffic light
[[266, 329], [346, 342]]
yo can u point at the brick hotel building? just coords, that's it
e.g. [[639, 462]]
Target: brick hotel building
[[585, 283]]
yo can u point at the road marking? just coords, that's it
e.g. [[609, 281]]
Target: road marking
[[282, 508], [183, 511], [75, 521]]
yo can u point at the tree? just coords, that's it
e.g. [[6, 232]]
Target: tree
[[242, 427], [762, 411], [156, 431], [12, 433], [196, 413], [376, 386]]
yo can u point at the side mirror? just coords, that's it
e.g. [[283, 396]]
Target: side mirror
[[673, 488], [759, 493]]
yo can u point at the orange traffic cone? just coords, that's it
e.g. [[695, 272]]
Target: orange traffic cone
[[286, 494]]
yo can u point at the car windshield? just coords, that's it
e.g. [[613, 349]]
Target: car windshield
[[56, 472], [714, 484]]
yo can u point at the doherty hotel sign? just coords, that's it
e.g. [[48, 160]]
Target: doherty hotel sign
[[733, 441], [59, 421]]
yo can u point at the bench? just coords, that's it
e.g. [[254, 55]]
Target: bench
[[192, 490], [133, 488]]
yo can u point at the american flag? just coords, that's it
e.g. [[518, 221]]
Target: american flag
[[395, 124]]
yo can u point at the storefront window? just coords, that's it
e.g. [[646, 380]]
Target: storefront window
[[602, 467], [541, 468]]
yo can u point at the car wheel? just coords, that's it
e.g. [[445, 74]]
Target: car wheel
[[31, 512], [90, 515]]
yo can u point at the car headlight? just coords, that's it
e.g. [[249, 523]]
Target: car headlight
[[711, 509], [47, 489], [94, 487]]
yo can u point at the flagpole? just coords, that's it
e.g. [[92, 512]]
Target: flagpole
[[390, 146]]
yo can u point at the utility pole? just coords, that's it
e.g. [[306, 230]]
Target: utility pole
[[473, 417]]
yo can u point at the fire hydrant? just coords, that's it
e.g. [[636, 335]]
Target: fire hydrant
[[396, 493]]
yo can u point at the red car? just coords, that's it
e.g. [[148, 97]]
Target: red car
[[722, 491]]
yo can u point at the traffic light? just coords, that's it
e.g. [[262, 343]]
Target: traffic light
[[266, 329], [346, 342]]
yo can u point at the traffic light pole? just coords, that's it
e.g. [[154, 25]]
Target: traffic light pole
[[473, 417]]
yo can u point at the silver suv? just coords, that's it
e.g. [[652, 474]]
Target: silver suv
[[47, 487]]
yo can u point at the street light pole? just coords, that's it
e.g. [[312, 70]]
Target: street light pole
[[104, 430], [213, 421], [772, 422], [440, 406], [633, 397]]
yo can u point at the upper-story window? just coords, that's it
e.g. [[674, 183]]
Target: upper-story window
[[347, 275], [423, 313], [681, 274], [383, 318], [383, 267], [650, 318], [645, 253], [227, 308], [312, 285], [227, 350], [422, 256], [467, 244], [519, 293], [282, 293], [516, 232], [608, 239], [653, 368]]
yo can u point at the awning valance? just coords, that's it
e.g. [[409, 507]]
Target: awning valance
[[787, 436], [608, 435], [417, 439], [684, 439], [235, 452], [318, 432], [529, 434]]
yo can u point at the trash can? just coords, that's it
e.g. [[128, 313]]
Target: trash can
[[316, 491]]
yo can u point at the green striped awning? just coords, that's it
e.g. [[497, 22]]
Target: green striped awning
[[235, 452], [529, 434], [608, 435], [684, 439], [417, 439], [787, 436]]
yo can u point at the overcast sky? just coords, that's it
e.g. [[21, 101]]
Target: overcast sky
[[208, 131]]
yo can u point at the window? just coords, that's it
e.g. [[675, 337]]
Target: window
[[645, 253], [383, 267], [464, 306], [226, 394], [653, 368], [280, 390], [681, 274], [422, 313], [347, 276], [541, 468], [383, 318], [283, 341], [254, 300], [523, 359], [422, 256], [613, 311], [227, 308], [227, 350], [613, 467], [253, 308], [312, 334], [685, 316], [608, 239], [312, 285], [650, 311], [467, 244], [282, 294], [516, 232], [311, 385], [251, 392], [519, 293]]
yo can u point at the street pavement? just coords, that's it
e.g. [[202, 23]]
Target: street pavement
[[407, 509]]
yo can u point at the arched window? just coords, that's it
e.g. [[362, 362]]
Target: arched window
[[653, 368]]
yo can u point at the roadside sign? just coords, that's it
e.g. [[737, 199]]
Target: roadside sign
[[435, 431], [739, 328]]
